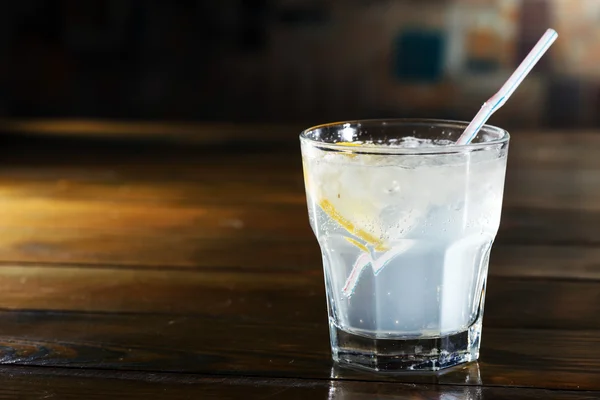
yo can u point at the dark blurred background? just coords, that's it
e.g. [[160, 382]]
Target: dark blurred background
[[297, 61]]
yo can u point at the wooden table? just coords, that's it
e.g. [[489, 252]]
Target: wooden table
[[167, 270]]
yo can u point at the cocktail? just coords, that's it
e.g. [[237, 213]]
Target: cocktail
[[405, 220]]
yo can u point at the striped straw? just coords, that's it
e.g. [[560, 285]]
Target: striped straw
[[498, 100]]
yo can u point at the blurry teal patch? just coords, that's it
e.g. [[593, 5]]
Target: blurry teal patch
[[418, 56]]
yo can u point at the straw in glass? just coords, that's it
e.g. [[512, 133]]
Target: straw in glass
[[498, 100]]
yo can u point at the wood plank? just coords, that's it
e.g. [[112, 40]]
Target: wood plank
[[547, 145], [551, 190], [92, 221], [100, 231], [554, 171], [151, 205], [544, 304], [154, 232], [571, 189], [171, 253], [154, 214], [204, 133], [283, 295], [252, 301], [35, 383], [51, 215], [234, 346], [263, 256], [152, 184], [567, 262], [252, 294], [163, 239], [549, 226], [527, 186]]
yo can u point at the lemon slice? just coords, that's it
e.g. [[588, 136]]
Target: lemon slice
[[357, 244], [354, 229], [344, 193], [363, 193], [352, 144]]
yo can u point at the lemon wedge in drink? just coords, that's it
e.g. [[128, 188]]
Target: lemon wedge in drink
[[350, 196], [353, 226]]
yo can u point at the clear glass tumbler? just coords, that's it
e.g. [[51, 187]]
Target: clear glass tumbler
[[405, 221]]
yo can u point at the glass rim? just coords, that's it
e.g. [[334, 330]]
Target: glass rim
[[370, 149]]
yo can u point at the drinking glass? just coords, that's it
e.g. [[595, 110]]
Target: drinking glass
[[405, 221]]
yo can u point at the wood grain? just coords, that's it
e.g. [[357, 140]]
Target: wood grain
[[281, 294], [93, 206], [553, 262], [143, 130], [36, 383], [286, 295], [262, 256], [120, 256], [559, 359], [100, 231]]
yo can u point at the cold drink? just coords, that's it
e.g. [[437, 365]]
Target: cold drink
[[405, 221]]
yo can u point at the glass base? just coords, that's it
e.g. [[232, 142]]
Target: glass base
[[394, 355]]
